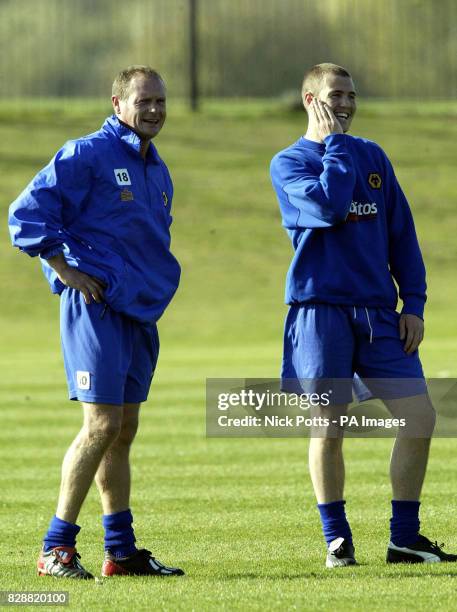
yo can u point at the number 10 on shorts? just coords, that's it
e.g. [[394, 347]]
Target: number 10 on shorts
[[83, 380]]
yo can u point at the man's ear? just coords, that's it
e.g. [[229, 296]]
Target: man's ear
[[308, 97], [116, 105]]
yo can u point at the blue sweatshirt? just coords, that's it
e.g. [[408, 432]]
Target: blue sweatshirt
[[350, 225], [109, 211]]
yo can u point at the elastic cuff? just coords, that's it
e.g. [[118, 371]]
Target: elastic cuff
[[336, 140], [333, 504], [122, 517], [51, 252], [413, 305]]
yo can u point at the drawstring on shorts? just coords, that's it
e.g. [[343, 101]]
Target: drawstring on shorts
[[369, 325], [368, 320]]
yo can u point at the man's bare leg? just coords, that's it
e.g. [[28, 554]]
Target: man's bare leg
[[410, 452], [407, 471], [113, 474], [326, 466], [113, 482], [326, 462], [102, 424]]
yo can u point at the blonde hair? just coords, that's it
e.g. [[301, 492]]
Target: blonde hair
[[312, 81], [121, 84]]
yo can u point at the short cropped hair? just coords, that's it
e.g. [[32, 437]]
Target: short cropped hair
[[312, 81], [121, 84]]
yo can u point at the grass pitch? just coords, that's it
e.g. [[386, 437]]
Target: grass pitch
[[237, 514]]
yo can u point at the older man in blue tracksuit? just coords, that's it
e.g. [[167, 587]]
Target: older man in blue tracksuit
[[353, 235], [98, 216]]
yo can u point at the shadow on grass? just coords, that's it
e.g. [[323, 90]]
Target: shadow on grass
[[327, 574]]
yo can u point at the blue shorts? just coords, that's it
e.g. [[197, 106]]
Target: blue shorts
[[324, 343], [109, 358]]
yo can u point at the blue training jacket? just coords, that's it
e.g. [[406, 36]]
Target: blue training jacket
[[109, 211], [350, 225]]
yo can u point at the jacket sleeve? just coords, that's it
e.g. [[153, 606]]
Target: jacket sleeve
[[54, 196], [405, 258], [310, 200]]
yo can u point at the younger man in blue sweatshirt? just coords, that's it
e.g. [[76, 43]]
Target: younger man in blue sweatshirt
[[353, 235]]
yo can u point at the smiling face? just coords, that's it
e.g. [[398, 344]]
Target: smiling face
[[144, 109], [339, 93]]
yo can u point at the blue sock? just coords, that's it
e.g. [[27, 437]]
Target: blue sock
[[119, 537], [404, 524], [334, 521], [60, 533]]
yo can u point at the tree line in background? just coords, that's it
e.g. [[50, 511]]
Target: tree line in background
[[246, 48]]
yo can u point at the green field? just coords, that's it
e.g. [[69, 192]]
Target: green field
[[238, 514]]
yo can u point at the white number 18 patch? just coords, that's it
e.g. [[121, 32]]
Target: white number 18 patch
[[122, 176]]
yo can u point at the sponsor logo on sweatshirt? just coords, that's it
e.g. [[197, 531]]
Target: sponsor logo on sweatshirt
[[362, 211], [126, 195]]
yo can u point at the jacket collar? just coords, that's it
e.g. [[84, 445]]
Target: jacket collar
[[129, 138]]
